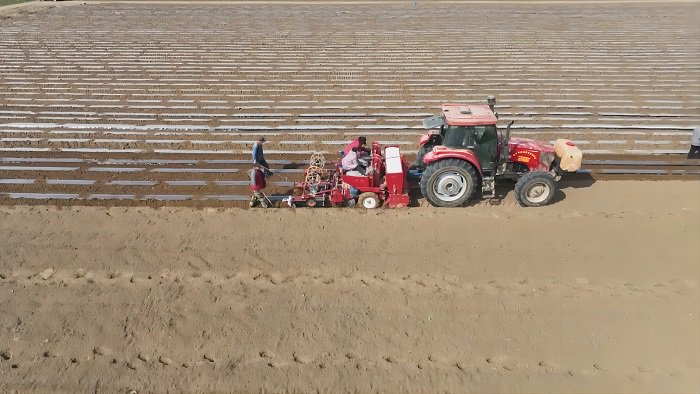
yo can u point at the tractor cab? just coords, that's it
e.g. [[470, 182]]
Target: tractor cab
[[463, 127], [465, 150]]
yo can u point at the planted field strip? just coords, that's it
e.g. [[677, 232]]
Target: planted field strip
[[204, 181], [148, 102]]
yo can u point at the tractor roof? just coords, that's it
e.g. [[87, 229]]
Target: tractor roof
[[468, 114]]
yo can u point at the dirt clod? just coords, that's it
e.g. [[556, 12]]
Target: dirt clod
[[47, 273]]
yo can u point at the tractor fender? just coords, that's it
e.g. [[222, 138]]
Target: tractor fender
[[423, 139], [441, 152], [430, 139]]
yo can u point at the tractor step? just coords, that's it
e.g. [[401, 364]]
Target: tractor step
[[488, 187]]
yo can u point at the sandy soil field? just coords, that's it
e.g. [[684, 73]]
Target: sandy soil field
[[596, 293], [119, 121]]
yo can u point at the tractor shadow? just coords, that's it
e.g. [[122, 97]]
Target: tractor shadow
[[573, 181], [576, 181]]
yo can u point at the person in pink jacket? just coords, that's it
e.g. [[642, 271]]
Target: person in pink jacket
[[257, 184], [350, 162], [360, 143]]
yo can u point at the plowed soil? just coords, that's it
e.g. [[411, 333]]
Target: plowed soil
[[597, 293], [107, 104]]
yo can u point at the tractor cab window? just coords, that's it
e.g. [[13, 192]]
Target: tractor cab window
[[455, 136], [467, 136]]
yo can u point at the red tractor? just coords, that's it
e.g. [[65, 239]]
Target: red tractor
[[469, 152]]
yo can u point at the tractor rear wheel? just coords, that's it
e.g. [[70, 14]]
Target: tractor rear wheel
[[448, 182], [368, 200], [535, 189]]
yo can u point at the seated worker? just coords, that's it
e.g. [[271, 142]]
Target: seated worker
[[360, 143], [350, 162]]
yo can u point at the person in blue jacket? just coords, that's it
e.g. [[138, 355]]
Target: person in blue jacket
[[259, 156]]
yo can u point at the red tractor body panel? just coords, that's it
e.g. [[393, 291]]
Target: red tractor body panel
[[536, 155], [338, 195], [441, 152], [468, 115], [396, 178], [364, 183], [526, 143]]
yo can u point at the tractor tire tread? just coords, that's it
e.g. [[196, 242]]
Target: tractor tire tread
[[469, 171], [527, 179]]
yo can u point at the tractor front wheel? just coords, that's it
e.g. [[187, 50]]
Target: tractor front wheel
[[535, 189], [368, 200], [448, 182]]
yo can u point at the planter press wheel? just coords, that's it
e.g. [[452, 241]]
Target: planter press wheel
[[311, 202], [368, 201], [314, 170], [312, 178], [317, 160]]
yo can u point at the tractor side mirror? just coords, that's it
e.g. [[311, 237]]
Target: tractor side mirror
[[434, 122]]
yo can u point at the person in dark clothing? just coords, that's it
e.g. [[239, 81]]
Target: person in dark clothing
[[259, 156], [694, 152]]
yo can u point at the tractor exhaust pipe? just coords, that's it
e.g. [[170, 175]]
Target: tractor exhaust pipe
[[505, 151], [508, 130]]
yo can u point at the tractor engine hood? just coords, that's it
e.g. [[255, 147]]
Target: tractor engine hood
[[528, 144], [536, 155]]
